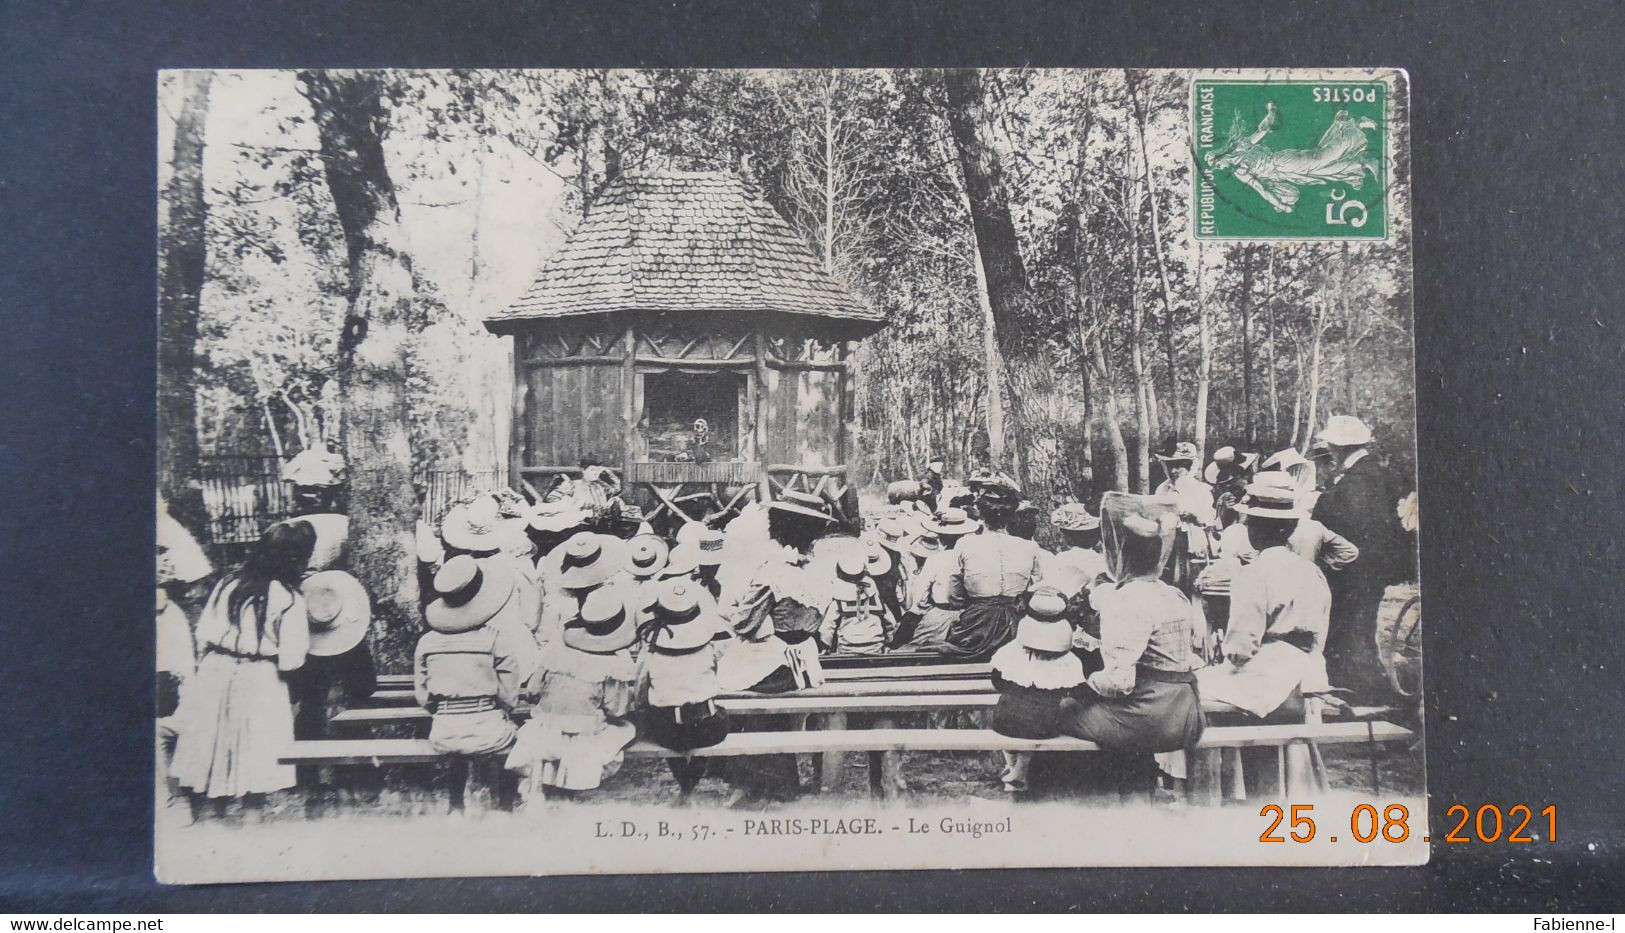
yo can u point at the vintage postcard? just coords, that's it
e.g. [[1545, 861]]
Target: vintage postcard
[[617, 471]]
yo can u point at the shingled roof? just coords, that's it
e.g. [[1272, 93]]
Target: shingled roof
[[685, 242]]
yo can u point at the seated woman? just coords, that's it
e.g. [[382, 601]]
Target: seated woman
[[774, 621], [1144, 698], [991, 572], [1280, 606]]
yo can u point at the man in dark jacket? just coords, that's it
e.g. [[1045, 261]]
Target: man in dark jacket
[[1361, 504]]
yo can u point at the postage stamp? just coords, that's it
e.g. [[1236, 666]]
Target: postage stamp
[[1291, 159]]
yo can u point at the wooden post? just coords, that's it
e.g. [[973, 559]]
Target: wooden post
[[519, 425], [841, 389], [761, 415], [629, 381]]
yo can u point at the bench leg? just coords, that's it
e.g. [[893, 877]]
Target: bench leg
[[1205, 784], [886, 768], [832, 768], [504, 784], [458, 778], [1235, 774]]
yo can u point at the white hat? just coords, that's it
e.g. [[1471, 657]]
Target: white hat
[[339, 611], [1272, 495], [475, 526], [1345, 431]]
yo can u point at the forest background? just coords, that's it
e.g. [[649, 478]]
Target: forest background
[[330, 242]]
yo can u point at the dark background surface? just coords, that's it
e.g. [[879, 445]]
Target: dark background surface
[[1520, 338]]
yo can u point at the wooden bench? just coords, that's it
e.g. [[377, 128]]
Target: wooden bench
[[379, 752], [396, 689]]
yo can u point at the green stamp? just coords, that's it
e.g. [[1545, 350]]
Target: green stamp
[[1290, 160]]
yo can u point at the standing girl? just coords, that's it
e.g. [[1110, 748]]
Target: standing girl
[[235, 720]]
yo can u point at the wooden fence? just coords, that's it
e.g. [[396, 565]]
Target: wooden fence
[[244, 494]]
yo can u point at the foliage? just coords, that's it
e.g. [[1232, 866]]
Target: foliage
[[862, 164]]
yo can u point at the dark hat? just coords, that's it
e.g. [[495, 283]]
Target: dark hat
[[472, 591], [1183, 451], [603, 625], [798, 503]]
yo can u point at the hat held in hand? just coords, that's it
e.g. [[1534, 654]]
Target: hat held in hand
[[339, 610]]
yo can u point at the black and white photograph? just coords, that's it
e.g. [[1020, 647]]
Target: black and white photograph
[[670, 470]]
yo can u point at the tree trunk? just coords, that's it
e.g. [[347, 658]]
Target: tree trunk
[[1350, 334], [1131, 83], [1247, 346], [995, 368], [1314, 360], [1269, 323], [1110, 415], [1204, 360], [383, 315], [1028, 372], [1137, 368], [182, 257]]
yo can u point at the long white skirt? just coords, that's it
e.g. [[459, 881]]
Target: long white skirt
[[234, 722]]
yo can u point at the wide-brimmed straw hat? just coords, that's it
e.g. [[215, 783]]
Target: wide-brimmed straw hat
[[339, 610], [1345, 431], [1074, 516], [1272, 495], [1045, 626], [877, 560], [892, 534], [995, 483], [799, 503], [682, 617], [925, 544], [646, 556], [688, 531], [1183, 451], [603, 625], [476, 526], [1282, 459], [471, 592], [850, 569], [952, 522], [556, 516], [588, 559], [683, 562]]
